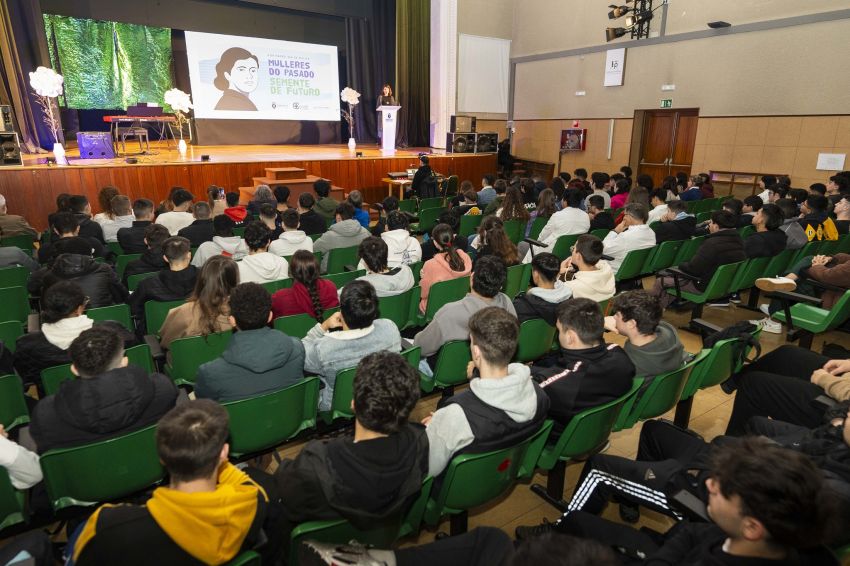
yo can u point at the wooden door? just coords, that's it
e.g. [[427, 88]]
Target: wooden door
[[667, 144]]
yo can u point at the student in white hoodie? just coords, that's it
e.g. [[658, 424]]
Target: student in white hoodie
[[569, 220], [592, 277], [291, 239], [260, 266], [404, 249], [223, 243], [386, 280]]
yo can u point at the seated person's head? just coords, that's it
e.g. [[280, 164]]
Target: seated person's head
[[500, 186], [218, 276], [636, 312], [257, 236], [386, 388], [120, 205], [767, 181], [63, 299], [223, 226], [815, 204], [214, 193], [488, 180], [322, 188], [493, 335], [79, 204], [489, 276], [752, 204], [788, 208], [572, 198], [799, 195], [290, 219], [733, 205], [356, 199], [263, 193], [344, 211], [770, 216], [304, 268], [596, 203], [817, 189], [644, 181], [658, 197], [281, 194], [96, 351], [268, 213], [587, 251], [65, 224], [470, 197], [397, 220], [389, 204], [232, 199], [722, 220], [777, 191], [250, 306], [636, 213], [143, 209], [674, 209], [450, 217], [580, 324], [181, 198], [762, 492], [202, 211], [191, 440], [155, 235], [599, 180], [306, 201], [581, 173], [177, 252], [63, 202], [374, 253], [544, 269], [358, 304]]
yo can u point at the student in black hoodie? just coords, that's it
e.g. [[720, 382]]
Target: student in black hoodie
[[588, 371], [201, 229], [310, 222], [600, 219], [109, 399], [542, 300], [768, 240], [67, 240], [676, 224], [374, 476], [132, 239], [172, 284], [81, 208], [151, 259]]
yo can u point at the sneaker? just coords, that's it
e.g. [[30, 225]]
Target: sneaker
[[524, 533], [768, 325], [313, 553], [776, 284], [765, 308]]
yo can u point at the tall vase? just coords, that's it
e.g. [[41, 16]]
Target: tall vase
[[181, 147], [352, 144], [59, 154]]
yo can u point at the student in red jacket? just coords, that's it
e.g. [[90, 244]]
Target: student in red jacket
[[309, 294]]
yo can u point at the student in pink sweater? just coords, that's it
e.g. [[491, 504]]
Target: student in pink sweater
[[448, 263]]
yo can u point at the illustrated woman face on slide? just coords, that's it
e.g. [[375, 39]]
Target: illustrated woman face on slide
[[243, 75], [237, 75]]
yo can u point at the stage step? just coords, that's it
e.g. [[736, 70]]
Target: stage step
[[272, 182], [285, 173]]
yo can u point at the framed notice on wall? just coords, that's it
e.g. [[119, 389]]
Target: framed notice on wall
[[573, 139], [615, 65]]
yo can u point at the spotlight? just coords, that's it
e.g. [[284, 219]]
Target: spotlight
[[614, 33], [617, 11], [637, 19]]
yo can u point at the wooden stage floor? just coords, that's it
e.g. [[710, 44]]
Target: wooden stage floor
[[31, 189]]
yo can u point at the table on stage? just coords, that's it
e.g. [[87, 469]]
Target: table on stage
[[116, 121], [401, 184]]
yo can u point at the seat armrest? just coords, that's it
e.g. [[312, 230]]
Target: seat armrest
[[534, 242], [824, 402], [824, 286], [691, 505], [702, 324], [791, 297], [676, 272], [157, 353]]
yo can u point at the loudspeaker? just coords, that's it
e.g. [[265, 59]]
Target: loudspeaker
[[460, 143], [95, 145], [10, 149], [462, 124], [486, 143], [6, 118]]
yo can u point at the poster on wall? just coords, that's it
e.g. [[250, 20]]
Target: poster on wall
[[615, 66], [573, 139]]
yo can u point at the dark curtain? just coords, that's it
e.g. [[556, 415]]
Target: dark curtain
[[370, 62], [414, 79], [23, 46]]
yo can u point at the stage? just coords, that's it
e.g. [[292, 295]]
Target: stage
[[31, 189]]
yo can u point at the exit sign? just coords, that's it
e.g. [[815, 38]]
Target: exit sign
[[666, 103]]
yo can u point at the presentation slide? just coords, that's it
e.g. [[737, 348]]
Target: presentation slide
[[249, 78]]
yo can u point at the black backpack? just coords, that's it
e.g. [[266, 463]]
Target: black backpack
[[429, 187], [743, 331]]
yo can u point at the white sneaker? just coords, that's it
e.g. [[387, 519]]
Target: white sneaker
[[765, 308], [768, 325], [776, 284]]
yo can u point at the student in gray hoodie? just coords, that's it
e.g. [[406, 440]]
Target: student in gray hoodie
[[345, 233], [451, 321], [502, 406], [653, 345], [223, 243], [387, 282], [542, 300], [347, 336]]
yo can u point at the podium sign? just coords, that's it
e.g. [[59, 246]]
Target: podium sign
[[389, 117]]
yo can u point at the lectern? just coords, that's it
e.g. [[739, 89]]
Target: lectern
[[389, 117]]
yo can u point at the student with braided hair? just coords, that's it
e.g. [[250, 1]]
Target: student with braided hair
[[309, 293], [448, 263]]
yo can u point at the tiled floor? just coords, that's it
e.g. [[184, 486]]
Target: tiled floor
[[709, 416]]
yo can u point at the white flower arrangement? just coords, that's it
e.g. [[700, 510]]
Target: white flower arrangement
[[47, 85], [352, 98], [180, 103]]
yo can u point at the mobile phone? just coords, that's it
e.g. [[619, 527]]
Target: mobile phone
[[221, 192]]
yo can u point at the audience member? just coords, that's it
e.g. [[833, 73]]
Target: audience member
[[585, 273], [347, 336], [658, 201], [623, 187], [451, 321], [120, 216], [768, 240], [567, 221], [542, 300], [110, 398], [132, 238], [234, 210], [309, 293], [795, 236], [217, 200], [404, 249], [224, 242], [424, 182], [815, 220], [487, 194], [98, 280], [12, 224], [387, 280], [20, 464], [308, 219], [600, 219], [502, 405], [501, 187], [451, 218], [11, 256], [818, 188], [694, 190], [80, 207], [369, 478], [207, 499], [838, 185], [631, 234], [546, 207], [676, 224], [386, 206], [599, 181], [291, 239], [513, 207], [326, 207], [152, 259], [262, 195], [751, 205], [356, 200], [179, 217], [281, 195], [842, 214], [467, 202], [588, 372], [207, 309], [270, 218], [493, 240], [201, 229], [104, 199], [449, 262], [261, 266], [67, 240], [346, 232], [258, 359]]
